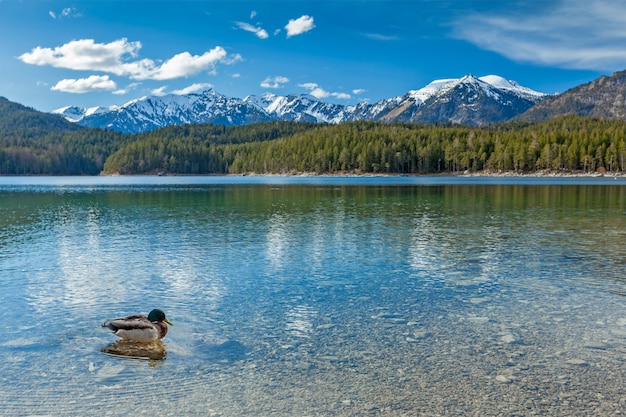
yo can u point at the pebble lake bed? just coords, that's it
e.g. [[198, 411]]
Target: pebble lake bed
[[316, 296]]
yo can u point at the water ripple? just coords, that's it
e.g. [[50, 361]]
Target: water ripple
[[325, 299]]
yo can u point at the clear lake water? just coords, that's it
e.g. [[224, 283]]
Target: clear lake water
[[316, 296]]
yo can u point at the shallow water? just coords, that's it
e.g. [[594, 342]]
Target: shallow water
[[316, 296]]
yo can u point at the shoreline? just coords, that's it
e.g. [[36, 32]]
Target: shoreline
[[537, 174], [466, 174], [484, 173]]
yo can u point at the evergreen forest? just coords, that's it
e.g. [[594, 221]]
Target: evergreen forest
[[569, 143], [33, 143]]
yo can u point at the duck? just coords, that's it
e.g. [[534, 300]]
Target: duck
[[140, 328]]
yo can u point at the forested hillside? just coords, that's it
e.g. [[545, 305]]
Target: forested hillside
[[34, 143], [21, 121], [191, 149], [569, 143]]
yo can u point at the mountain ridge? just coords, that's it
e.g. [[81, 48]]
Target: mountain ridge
[[467, 100], [21, 120], [36, 143], [604, 97]]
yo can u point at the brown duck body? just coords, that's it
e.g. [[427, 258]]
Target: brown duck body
[[138, 327]]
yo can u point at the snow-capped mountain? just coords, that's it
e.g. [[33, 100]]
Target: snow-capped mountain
[[303, 108], [76, 114], [148, 113], [468, 100]]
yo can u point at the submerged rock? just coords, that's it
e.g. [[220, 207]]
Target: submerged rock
[[218, 349], [578, 362], [503, 379], [110, 371], [597, 345]]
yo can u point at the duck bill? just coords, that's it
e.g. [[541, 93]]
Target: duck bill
[[168, 322]]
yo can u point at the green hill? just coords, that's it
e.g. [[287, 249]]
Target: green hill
[[35, 143], [20, 121], [569, 143]]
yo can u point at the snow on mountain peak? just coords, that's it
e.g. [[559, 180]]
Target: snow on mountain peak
[[61, 110], [432, 89], [133, 101], [442, 86], [504, 84], [469, 78], [209, 106], [71, 113], [497, 81]]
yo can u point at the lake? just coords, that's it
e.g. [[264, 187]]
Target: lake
[[316, 296]]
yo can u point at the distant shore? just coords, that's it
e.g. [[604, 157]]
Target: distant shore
[[485, 173], [543, 173]]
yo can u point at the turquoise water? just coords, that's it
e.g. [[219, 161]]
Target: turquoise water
[[316, 296]]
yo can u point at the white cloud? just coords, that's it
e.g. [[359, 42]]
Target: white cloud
[[274, 82], [299, 26], [84, 54], [308, 86], [379, 37], [343, 96], [252, 14], [581, 34], [85, 85], [117, 58], [69, 12], [259, 32], [126, 90], [66, 12], [192, 88], [159, 91], [358, 91], [318, 92], [185, 64]]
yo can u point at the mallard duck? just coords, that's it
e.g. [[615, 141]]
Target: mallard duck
[[140, 328]]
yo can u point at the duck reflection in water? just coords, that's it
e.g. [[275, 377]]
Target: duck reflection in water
[[155, 350], [141, 335]]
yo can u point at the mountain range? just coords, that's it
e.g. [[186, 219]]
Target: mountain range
[[36, 143], [603, 98], [473, 101]]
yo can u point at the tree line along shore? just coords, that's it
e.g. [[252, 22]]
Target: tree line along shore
[[565, 144]]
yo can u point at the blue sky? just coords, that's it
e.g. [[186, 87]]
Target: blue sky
[[66, 52]]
